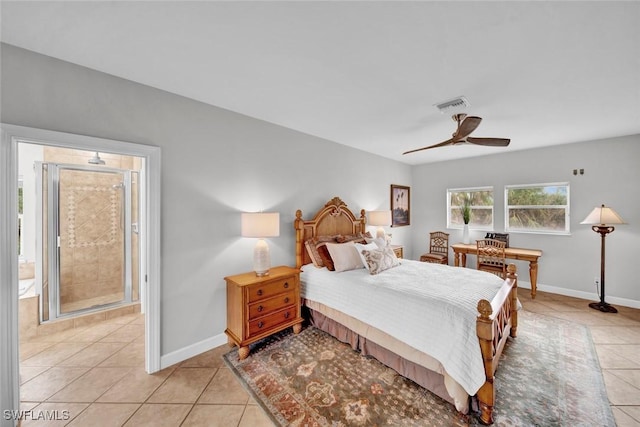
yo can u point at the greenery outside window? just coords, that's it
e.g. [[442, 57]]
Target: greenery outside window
[[480, 200], [20, 219], [537, 208]]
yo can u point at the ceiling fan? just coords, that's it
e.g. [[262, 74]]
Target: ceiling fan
[[466, 125]]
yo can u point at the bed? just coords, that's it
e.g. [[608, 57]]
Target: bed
[[446, 329]]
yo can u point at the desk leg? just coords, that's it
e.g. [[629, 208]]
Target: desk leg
[[462, 262], [533, 275], [456, 259]]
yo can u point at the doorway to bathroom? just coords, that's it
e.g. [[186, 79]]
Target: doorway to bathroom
[[11, 241]]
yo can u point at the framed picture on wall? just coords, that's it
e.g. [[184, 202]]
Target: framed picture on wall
[[400, 206]]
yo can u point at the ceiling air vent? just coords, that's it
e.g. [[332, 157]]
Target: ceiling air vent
[[452, 104]]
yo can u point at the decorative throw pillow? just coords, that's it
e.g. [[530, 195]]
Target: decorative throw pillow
[[356, 238], [344, 256], [380, 260], [325, 256], [312, 248], [368, 247]]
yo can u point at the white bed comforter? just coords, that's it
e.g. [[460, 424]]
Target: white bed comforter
[[430, 307]]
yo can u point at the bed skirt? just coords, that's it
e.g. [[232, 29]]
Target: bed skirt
[[421, 375]]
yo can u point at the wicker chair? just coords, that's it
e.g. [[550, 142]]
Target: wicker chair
[[438, 248], [491, 256]]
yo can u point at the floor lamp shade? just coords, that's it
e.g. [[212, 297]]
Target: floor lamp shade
[[380, 219], [602, 219], [261, 225]]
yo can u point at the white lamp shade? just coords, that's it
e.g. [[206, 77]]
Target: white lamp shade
[[380, 218], [260, 224], [603, 215]]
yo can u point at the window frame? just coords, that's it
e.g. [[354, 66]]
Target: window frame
[[471, 225], [566, 207]]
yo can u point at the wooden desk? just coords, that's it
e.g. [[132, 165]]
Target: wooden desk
[[460, 251]]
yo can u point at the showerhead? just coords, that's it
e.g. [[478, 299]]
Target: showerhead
[[96, 160]]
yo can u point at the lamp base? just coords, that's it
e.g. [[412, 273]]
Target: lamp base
[[604, 307], [261, 258]]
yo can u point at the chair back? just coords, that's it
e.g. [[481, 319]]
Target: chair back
[[439, 243], [491, 256]]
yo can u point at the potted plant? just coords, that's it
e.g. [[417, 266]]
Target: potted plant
[[465, 209]]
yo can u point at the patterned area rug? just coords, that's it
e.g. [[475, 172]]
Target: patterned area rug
[[549, 376]]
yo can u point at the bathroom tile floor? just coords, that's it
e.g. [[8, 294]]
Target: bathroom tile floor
[[94, 375]]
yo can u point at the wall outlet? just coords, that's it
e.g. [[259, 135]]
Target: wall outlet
[[596, 281]]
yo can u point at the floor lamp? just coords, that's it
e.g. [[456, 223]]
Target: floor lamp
[[601, 219]]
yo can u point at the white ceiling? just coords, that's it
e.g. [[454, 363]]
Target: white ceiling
[[367, 74]]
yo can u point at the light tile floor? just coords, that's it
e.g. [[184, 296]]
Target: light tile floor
[[95, 374]]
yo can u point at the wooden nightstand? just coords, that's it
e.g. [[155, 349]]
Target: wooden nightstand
[[260, 306], [398, 249]]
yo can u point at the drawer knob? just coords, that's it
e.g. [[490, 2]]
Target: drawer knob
[[286, 315], [260, 324], [286, 285], [260, 308], [286, 300], [259, 292]]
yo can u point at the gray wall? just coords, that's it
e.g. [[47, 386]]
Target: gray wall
[[569, 263], [216, 164]]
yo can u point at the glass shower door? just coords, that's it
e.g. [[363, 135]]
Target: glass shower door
[[91, 238]]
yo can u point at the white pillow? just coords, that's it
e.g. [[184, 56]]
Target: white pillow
[[368, 247], [345, 256]]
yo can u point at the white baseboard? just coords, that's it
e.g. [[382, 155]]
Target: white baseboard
[[592, 296], [188, 352]]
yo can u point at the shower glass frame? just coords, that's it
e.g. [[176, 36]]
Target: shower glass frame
[[50, 305]]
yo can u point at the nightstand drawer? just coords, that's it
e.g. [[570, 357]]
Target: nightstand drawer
[[267, 306], [266, 290], [265, 323]]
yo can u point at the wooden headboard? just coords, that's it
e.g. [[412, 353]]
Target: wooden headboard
[[334, 218]]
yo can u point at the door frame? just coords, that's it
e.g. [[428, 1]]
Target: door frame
[[11, 135]]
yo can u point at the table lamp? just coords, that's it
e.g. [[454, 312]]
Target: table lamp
[[261, 225], [602, 217], [380, 219]]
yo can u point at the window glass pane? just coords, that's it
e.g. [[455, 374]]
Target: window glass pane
[[551, 195], [540, 208], [20, 218], [480, 201], [537, 219]]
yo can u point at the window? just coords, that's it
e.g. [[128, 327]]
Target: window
[[481, 204], [537, 208], [20, 219]]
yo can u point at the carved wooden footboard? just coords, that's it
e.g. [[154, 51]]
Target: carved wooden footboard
[[497, 321]]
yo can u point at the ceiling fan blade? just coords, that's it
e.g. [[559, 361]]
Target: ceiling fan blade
[[466, 126], [441, 144], [492, 142]]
